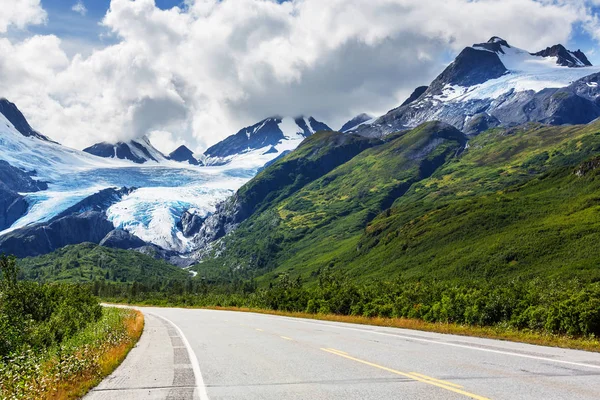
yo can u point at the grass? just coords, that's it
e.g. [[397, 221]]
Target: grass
[[79, 364], [510, 206]]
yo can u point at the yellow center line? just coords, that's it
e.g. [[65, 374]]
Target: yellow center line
[[258, 329], [411, 376], [337, 351], [286, 338], [429, 378]]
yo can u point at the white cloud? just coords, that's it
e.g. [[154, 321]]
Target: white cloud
[[79, 8], [198, 74], [20, 14]]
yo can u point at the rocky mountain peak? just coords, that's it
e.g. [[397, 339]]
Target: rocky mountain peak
[[355, 122], [495, 44], [565, 58], [183, 154], [15, 117], [272, 135], [137, 150]]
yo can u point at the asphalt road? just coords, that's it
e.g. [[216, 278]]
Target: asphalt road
[[205, 354]]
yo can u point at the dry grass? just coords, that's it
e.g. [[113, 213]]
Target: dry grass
[[109, 359]]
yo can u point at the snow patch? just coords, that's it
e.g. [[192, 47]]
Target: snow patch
[[290, 129]]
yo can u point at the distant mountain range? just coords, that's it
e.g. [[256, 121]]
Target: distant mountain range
[[286, 184], [495, 84], [99, 195], [139, 151], [269, 136]]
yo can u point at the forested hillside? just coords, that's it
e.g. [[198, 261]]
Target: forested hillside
[[517, 202]]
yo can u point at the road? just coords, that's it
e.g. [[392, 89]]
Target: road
[[206, 354]]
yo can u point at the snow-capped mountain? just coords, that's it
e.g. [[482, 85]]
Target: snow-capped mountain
[[269, 137], [356, 122], [183, 154], [495, 84], [137, 150], [54, 195], [565, 57]]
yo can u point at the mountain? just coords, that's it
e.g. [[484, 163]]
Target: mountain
[[269, 136], [13, 183], [325, 192], [16, 118], [41, 179], [495, 84], [422, 204], [415, 95], [137, 150], [565, 57], [316, 156], [183, 154], [85, 221], [355, 122]]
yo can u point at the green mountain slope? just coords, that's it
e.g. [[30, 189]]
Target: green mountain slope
[[326, 216], [88, 262], [521, 202]]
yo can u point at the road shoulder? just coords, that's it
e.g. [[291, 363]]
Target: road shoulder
[[158, 367]]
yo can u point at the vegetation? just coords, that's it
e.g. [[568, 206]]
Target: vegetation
[[502, 233], [516, 204], [88, 262], [57, 341], [554, 307], [323, 219]]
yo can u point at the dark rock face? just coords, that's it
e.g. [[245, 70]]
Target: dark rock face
[[120, 239], [354, 122], [90, 226], [587, 167], [495, 45], [480, 123], [272, 150], [12, 206], [12, 113], [119, 150], [316, 126], [418, 92], [566, 58], [19, 180], [12, 182], [190, 223], [134, 150], [470, 68], [263, 134], [183, 154], [84, 222], [227, 216]]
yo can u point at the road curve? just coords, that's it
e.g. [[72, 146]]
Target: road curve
[[206, 354]]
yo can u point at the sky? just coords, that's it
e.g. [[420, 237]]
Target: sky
[[195, 71]]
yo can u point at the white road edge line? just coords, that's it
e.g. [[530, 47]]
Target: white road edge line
[[200, 386], [509, 353]]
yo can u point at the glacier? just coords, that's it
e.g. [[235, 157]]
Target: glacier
[[164, 189]]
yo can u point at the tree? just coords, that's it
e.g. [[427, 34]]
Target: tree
[[9, 270]]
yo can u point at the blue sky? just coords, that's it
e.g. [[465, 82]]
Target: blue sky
[[81, 33]]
